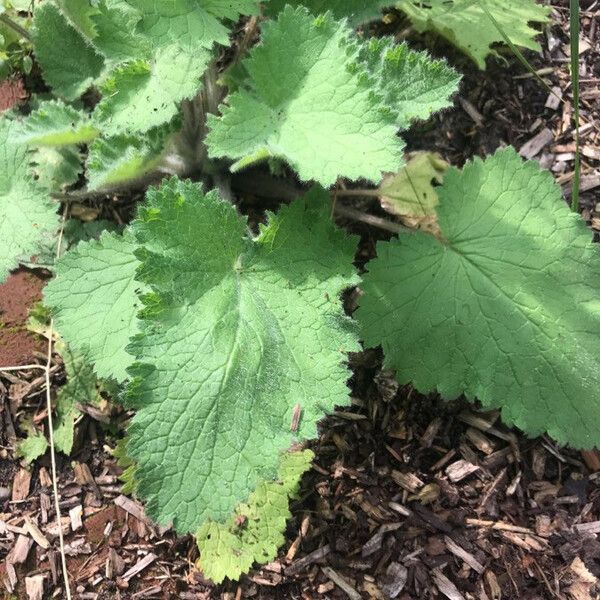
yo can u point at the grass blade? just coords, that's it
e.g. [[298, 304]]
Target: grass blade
[[574, 35]]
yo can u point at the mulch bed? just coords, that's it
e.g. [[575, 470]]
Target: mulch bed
[[409, 497]]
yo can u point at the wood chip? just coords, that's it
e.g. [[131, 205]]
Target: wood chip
[[536, 144], [142, 564], [460, 469], [34, 587], [20, 550], [34, 531], [588, 528], [133, 508], [303, 562], [445, 586], [408, 481], [465, 556], [395, 579], [341, 583], [21, 483], [553, 100], [75, 516]]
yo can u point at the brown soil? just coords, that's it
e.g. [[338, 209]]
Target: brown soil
[[17, 295], [12, 93]]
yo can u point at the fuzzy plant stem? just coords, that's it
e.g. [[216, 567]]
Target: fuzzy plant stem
[[4, 18], [574, 35]]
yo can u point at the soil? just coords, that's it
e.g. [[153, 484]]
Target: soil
[[409, 497], [18, 294]]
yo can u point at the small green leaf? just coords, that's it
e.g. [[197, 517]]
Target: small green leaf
[[505, 307], [33, 446], [70, 65], [55, 168], [80, 388], [256, 531], [411, 84], [54, 123], [94, 301]]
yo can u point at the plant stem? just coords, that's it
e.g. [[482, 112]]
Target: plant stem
[[574, 35], [357, 215], [4, 18], [360, 193]]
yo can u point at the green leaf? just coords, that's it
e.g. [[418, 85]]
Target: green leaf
[[129, 467], [309, 105], [410, 191], [33, 446], [256, 531], [55, 168], [81, 388], [118, 38], [465, 24], [229, 338], [231, 9], [504, 308], [80, 14], [357, 11], [94, 300], [412, 84], [28, 218], [69, 63], [182, 22], [56, 124], [141, 95], [114, 161]]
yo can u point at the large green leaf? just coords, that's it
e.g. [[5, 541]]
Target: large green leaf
[[94, 300], [255, 532], [228, 344], [28, 217], [309, 105], [504, 308], [466, 25], [69, 63], [357, 11]]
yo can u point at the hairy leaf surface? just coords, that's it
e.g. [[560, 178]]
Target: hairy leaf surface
[[506, 308], [412, 85], [357, 11], [28, 218], [141, 95], [310, 105], [230, 335], [69, 63], [56, 124], [466, 25], [94, 301], [256, 531]]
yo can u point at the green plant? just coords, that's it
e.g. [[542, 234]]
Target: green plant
[[231, 345]]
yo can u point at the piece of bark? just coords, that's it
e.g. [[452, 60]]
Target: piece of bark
[[394, 580], [460, 469], [341, 583], [536, 144], [20, 550], [34, 531], [307, 560], [34, 587], [445, 586], [465, 556], [142, 564], [21, 483], [75, 516]]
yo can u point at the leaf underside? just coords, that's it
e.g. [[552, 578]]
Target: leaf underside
[[505, 308]]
